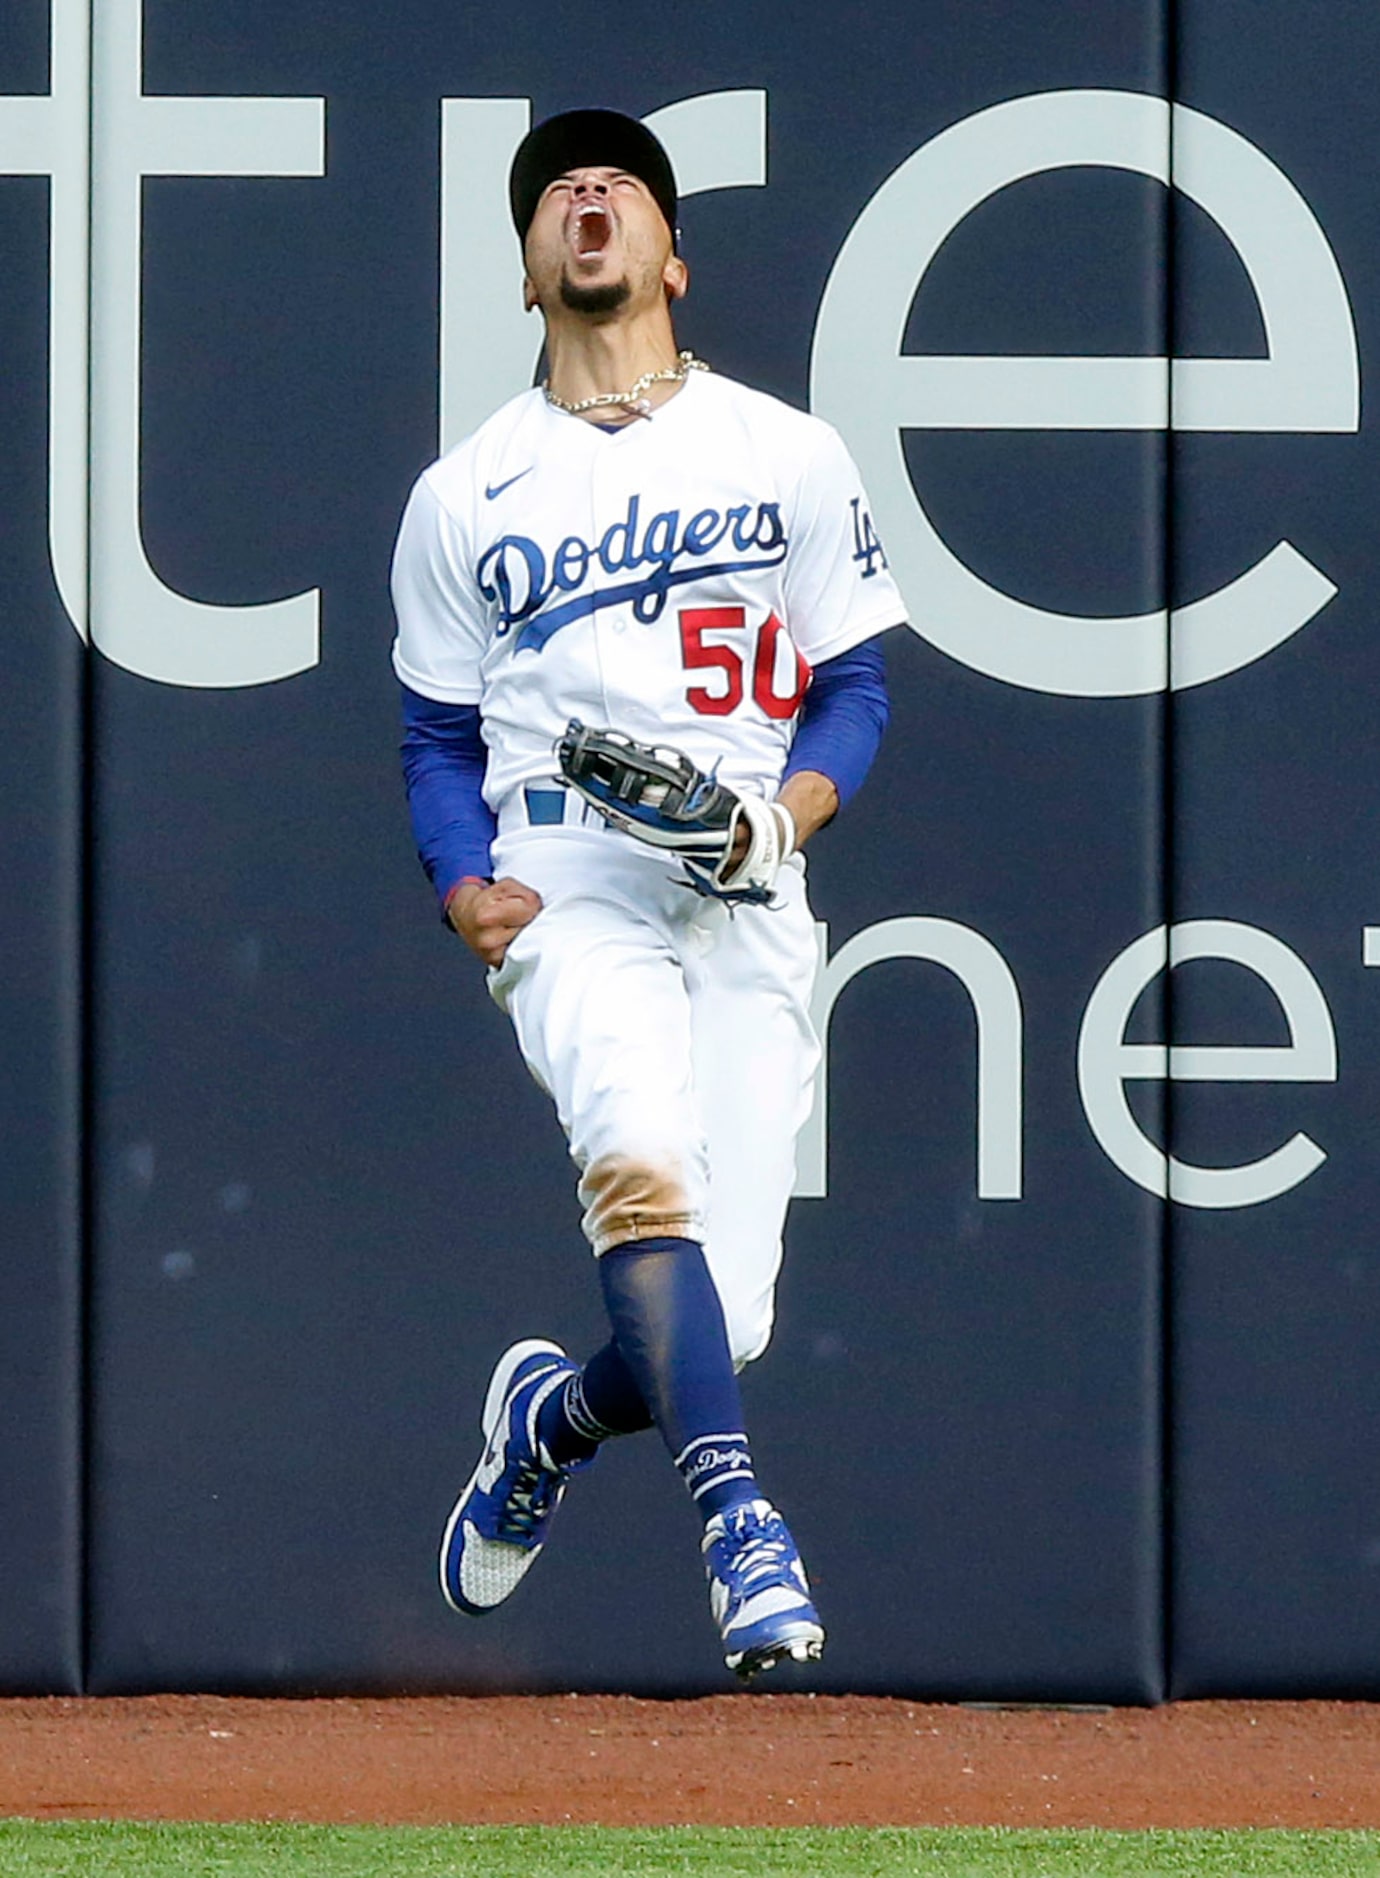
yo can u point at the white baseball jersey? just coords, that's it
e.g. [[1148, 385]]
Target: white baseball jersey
[[676, 579]]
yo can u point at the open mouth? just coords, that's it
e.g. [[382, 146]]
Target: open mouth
[[590, 234]]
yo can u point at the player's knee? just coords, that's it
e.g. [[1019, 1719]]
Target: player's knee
[[627, 1197]]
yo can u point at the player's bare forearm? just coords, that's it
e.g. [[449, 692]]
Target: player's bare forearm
[[488, 918], [812, 800]]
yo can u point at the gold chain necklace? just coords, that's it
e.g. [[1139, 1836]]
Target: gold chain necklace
[[632, 399]]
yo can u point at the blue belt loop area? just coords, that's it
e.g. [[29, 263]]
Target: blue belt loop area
[[545, 807]]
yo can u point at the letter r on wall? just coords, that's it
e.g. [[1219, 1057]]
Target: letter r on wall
[[717, 140]]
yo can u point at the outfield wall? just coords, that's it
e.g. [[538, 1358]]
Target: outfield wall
[[1072, 1387]]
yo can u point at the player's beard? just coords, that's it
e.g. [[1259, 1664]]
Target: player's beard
[[595, 300]]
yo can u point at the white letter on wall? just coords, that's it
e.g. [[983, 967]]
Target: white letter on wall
[[996, 1002], [873, 392], [489, 346], [136, 620], [1106, 1062]]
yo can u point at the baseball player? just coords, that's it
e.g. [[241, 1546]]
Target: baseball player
[[637, 612]]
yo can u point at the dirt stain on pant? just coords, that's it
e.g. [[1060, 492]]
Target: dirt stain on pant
[[627, 1199]]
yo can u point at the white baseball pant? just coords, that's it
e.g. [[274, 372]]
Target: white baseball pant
[[675, 1040]]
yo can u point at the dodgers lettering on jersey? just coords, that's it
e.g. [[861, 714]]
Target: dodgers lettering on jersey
[[676, 579], [516, 574]]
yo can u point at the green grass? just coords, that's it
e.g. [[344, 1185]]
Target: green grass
[[122, 1850]]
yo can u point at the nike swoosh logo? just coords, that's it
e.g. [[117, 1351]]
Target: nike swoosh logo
[[496, 489], [489, 1468]]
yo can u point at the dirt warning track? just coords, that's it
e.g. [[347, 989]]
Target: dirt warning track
[[738, 1760]]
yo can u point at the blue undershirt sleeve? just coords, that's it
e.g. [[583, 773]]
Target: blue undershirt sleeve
[[443, 759], [842, 719]]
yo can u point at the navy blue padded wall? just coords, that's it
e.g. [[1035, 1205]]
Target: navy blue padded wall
[[326, 1192], [1276, 1304], [40, 785]]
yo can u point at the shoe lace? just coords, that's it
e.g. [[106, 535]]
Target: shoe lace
[[759, 1553], [529, 1500]]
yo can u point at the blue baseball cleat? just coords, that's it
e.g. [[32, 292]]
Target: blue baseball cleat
[[499, 1523], [758, 1591]]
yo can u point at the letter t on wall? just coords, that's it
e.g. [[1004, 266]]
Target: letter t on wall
[[136, 620]]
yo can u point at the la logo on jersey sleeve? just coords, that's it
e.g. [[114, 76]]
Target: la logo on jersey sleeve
[[867, 544]]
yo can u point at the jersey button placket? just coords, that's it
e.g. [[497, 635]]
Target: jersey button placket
[[612, 487], [609, 496]]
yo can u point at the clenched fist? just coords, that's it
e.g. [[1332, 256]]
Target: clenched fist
[[489, 918]]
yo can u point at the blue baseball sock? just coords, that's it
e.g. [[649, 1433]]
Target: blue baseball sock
[[668, 1325], [601, 1401]]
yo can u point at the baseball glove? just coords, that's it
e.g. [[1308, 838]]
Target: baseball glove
[[732, 845]]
